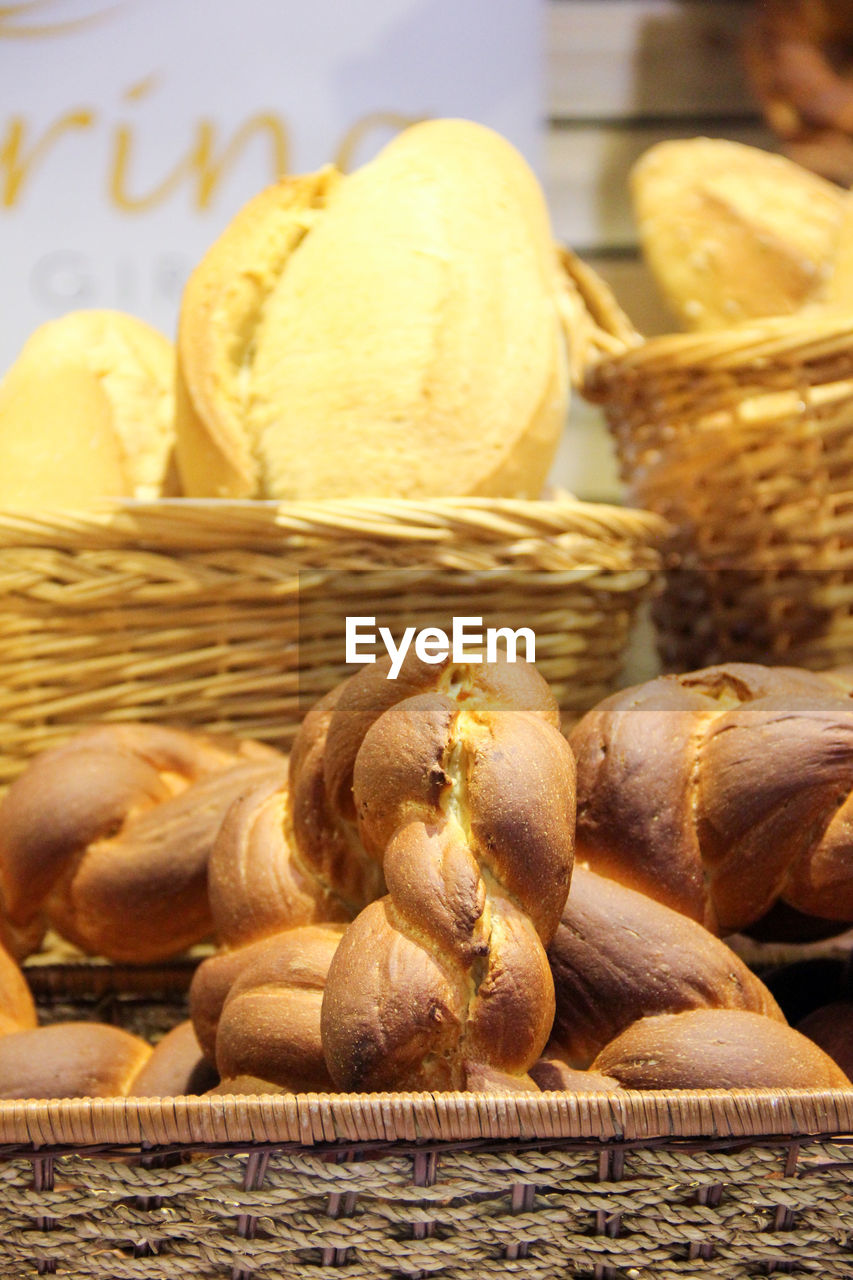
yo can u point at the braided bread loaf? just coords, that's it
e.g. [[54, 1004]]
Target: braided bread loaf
[[465, 789], [724, 793], [109, 835]]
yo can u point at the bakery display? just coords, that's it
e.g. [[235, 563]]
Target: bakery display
[[107, 836], [86, 412], [723, 793], [405, 318]]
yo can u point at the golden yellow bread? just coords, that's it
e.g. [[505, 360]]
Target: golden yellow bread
[[724, 793], [394, 332], [177, 1067], [732, 232], [717, 1049], [464, 789], [109, 835], [70, 1060], [87, 412]]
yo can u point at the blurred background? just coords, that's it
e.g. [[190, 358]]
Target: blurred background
[[132, 130]]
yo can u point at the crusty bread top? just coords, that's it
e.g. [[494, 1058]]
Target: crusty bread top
[[394, 332]]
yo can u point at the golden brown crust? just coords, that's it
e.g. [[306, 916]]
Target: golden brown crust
[[70, 1060], [17, 1007], [256, 1009], [110, 833], [721, 792], [618, 956], [831, 1029], [277, 982], [466, 789], [176, 1068], [717, 1049]]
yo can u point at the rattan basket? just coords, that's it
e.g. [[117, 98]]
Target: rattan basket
[[743, 440], [230, 616]]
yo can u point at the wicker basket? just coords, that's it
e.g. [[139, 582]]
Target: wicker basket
[[448, 1186], [743, 440], [230, 616]]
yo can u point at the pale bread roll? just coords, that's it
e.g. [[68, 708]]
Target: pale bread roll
[[87, 412], [732, 232], [391, 333]]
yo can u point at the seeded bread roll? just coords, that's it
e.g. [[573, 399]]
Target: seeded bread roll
[[87, 412], [732, 232], [395, 332]]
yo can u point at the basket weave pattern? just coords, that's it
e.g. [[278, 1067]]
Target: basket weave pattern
[[230, 616], [452, 1186], [743, 440]]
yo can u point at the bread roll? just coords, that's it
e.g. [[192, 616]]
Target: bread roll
[[717, 1049], [465, 789], [391, 333], [87, 412], [110, 834], [70, 1060], [723, 792], [731, 232]]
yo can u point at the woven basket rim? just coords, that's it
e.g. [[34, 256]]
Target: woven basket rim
[[233, 522], [773, 340], [313, 1119]]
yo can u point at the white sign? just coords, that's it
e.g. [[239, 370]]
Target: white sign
[[132, 130]]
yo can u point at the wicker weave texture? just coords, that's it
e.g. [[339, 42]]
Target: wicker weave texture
[[743, 440], [579, 1210], [230, 616]]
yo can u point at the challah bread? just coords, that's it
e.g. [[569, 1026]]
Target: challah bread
[[618, 956], [722, 792], [70, 1060], [109, 834], [394, 332], [731, 232], [465, 790], [717, 1049], [86, 412], [176, 1067]]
